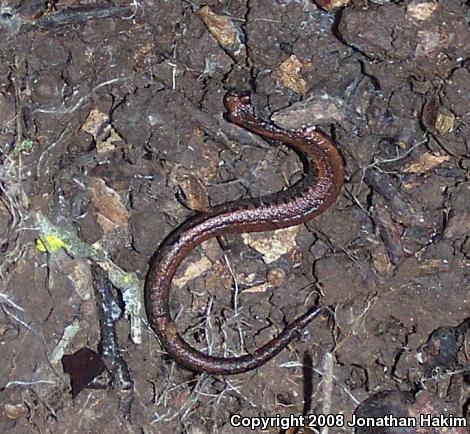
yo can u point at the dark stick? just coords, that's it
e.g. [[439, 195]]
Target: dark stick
[[15, 23], [109, 313]]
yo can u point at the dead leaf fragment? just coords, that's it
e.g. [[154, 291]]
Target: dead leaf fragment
[[78, 273], [290, 75], [330, 5], [431, 41], [141, 53], [110, 211], [381, 260], [426, 162], [94, 122], [274, 245], [260, 288], [444, 122], [14, 411], [432, 266], [221, 28], [195, 195], [97, 124], [420, 11], [316, 110], [194, 270], [80, 276], [277, 276], [5, 222]]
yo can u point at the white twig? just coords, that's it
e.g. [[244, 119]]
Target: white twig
[[69, 332], [208, 325], [135, 5], [319, 372], [326, 386], [236, 293], [27, 383], [48, 150], [375, 164], [81, 101], [5, 299], [25, 325]]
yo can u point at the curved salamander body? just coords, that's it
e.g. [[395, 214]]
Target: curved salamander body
[[324, 175]]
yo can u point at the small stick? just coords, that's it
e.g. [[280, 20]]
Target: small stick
[[15, 23], [383, 185], [109, 313], [388, 231]]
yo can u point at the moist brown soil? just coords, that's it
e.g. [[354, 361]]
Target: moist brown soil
[[112, 127]]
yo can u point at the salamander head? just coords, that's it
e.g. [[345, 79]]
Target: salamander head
[[238, 104]]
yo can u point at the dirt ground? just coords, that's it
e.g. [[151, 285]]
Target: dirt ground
[[113, 130]]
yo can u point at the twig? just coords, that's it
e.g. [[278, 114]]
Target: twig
[[399, 157], [383, 185], [189, 403], [5, 299], [235, 298], [135, 5], [49, 149], [19, 105], [127, 282], [381, 182], [25, 325], [388, 231], [26, 383], [319, 372], [69, 332], [326, 385], [236, 389], [81, 101], [208, 325], [13, 23], [109, 313]]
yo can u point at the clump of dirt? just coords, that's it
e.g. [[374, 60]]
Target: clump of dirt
[[113, 130]]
